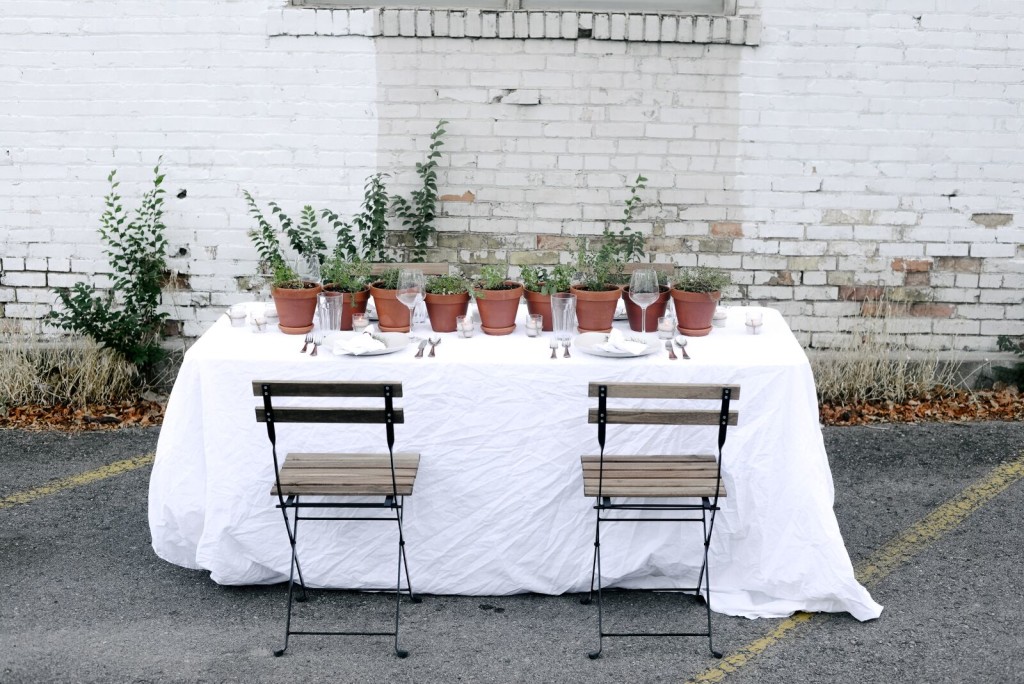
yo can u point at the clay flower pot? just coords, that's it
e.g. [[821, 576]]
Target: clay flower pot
[[295, 308], [498, 308], [392, 315], [537, 303], [595, 310], [442, 309], [654, 311], [353, 302], [694, 311]]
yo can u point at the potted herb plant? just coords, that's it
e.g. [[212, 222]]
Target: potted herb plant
[[295, 295], [538, 286], [596, 292], [392, 314], [695, 293], [447, 296], [350, 278], [634, 313], [497, 300]]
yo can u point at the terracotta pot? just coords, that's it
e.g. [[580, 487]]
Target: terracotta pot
[[392, 315], [442, 310], [498, 309], [295, 308], [654, 311], [537, 303], [353, 302], [595, 310], [694, 311]]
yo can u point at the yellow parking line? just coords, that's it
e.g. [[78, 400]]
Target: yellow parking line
[[106, 471], [879, 565]]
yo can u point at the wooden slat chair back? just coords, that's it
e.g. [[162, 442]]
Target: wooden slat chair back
[[428, 268], [610, 478], [334, 474]]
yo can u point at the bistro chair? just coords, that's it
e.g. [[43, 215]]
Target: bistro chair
[[390, 475], [684, 487]]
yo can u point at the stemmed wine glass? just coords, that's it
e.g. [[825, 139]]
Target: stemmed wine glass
[[643, 290], [410, 289]]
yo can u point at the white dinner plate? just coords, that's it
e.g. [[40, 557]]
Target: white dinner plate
[[588, 344], [394, 341]]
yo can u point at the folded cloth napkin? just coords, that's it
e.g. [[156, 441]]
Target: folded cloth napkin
[[618, 344], [358, 344]]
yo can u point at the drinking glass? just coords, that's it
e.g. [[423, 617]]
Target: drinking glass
[[643, 290], [563, 315], [410, 289]]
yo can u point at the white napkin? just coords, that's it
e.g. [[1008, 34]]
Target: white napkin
[[617, 344], [358, 344]]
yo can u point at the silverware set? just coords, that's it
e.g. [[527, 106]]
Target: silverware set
[[312, 339], [680, 342], [433, 341]]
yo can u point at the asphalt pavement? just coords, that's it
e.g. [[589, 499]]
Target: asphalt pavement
[[83, 598]]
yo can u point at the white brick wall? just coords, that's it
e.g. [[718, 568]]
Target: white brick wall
[[850, 146]]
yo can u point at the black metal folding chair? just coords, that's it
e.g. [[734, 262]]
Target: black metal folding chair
[[691, 476], [339, 474]]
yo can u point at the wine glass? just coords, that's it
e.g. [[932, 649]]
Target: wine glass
[[410, 289], [643, 290]]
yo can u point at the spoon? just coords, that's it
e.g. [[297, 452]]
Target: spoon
[[681, 341], [434, 341]]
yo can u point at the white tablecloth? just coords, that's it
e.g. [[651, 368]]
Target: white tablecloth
[[498, 507]]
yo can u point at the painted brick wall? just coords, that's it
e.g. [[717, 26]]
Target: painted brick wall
[[827, 149]]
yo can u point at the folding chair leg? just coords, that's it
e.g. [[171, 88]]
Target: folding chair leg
[[399, 651], [706, 572], [593, 567], [593, 655], [401, 544], [292, 537]]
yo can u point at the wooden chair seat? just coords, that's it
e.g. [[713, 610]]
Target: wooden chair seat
[[335, 474], [652, 476]]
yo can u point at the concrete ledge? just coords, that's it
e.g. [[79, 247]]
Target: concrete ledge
[[521, 24]]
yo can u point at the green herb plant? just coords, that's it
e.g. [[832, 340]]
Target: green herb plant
[[1012, 375], [418, 214], [125, 318], [365, 236], [303, 237], [539, 279], [449, 284], [702, 279]]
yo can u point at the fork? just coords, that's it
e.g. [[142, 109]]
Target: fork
[[317, 341], [553, 343], [671, 353], [565, 343], [309, 340], [434, 341]]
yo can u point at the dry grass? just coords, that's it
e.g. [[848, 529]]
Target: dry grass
[[69, 371], [874, 367]]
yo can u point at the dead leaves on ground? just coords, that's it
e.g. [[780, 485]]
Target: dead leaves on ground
[[939, 405], [92, 417]]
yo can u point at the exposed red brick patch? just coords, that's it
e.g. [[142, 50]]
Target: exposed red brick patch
[[875, 309], [726, 229], [467, 196], [781, 278], [917, 279], [555, 242], [932, 310], [858, 293], [911, 265], [958, 264]]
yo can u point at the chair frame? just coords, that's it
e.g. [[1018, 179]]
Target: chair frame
[[707, 508], [393, 502]]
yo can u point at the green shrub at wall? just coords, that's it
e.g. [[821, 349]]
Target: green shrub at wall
[[125, 318]]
